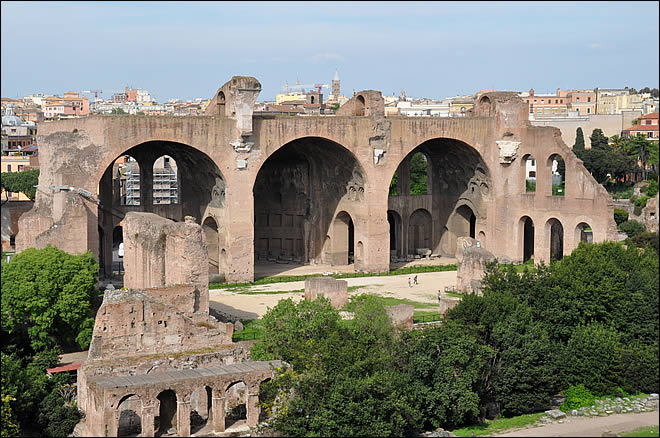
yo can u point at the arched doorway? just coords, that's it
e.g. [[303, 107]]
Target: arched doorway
[[201, 409], [165, 183], [343, 232], [583, 233], [210, 228], [527, 237], [196, 187], [466, 222], [419, 231], [360, 106], [394, 221], [166, 418], [558, 171], [236, 404], [298, 193], [555, 231], [129, 421], [529, 164], [456, 176]]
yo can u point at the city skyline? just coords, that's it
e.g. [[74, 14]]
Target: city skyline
[[436, 50]]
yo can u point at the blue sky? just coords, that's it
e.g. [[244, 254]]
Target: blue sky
[[430, 49]]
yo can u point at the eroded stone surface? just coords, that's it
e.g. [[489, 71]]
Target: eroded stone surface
[[472, 261], [327, 287]]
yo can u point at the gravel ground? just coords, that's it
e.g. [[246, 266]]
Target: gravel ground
[[254, 306], [590, 426]]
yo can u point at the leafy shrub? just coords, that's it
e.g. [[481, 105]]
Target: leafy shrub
[[577, 397], [639, 370], [632, 228], [646, 238], [620, 215], [530, 185], [652, 189], [592, 357], [641, 201]]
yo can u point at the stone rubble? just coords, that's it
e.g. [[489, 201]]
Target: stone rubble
[[606, 407]]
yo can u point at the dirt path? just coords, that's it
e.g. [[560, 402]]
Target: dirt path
[[253, 306], [590, 426]]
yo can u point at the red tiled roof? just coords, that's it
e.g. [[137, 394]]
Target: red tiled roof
[[642, 128], [649, 116], [69, 367]]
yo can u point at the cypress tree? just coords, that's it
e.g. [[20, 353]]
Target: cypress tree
[[578, 147]]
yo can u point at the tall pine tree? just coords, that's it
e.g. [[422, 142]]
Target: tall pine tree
[[578, 147]]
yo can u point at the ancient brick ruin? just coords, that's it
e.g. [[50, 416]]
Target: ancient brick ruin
[[327, 287], [317, 189], [158, 363]]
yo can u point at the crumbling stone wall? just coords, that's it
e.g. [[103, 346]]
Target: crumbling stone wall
[[472, 262], [327, 287], [160, 252], [368, 103], [131, 322]]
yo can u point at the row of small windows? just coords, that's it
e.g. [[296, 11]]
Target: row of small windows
[[558, 172]]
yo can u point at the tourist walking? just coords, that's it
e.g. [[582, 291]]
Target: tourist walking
[[415, 280], [409, 285]]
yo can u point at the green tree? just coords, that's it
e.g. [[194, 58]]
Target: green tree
[[46, 295], [599, 140], [9, 423], [117, 111], [593, 357], [418, 174], [632, 228], [344, 380], [578, 147], [23, 182]]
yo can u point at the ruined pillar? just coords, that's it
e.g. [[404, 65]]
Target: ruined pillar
[[218, 414], [240, 231], [105, 191], [147, 420], [183, 418], [253, 409], [541, 243]]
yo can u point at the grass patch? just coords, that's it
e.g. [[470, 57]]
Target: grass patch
[[499, 425], [520, 268], [643, 431], [271, 292], [385, 301], [453, 294], [252, 329], [421, 316], [291, 278], [354, 288]]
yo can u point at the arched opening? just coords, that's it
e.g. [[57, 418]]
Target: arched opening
[[117, 249], [359, 254], [311, 99], [558, 171], [359, 106], [482, 239], [236, 405], [419, 165], [583, 233], [221, 103], [210, 228], [165, 187], [129, 421], [394, 219], [126, 181], [343, 233], [485, 106], [200, 409], [465, 222], [419, 231], [196, 187], [456, 175], [298, 192], [527, 226], [166, 418], [529, 163], [556, 233]]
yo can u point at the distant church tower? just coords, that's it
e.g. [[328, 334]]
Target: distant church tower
[[335, 86]]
